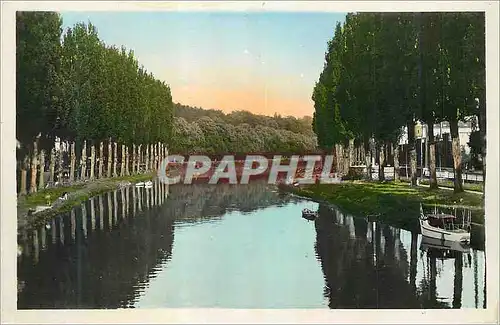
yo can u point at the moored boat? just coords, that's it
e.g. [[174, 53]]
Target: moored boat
[[445, 227], [309, 214], [429, 243]]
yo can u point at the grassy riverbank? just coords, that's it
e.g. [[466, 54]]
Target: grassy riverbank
[[77, 194], [446, 183], [392, 203]]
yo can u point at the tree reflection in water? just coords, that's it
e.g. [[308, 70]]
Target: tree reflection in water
[[371, 268], [361, 271], [98, 267], [107, 266]]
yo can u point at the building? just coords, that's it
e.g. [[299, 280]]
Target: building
[[442, 131]]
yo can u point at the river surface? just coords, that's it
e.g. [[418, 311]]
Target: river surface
[[234, 246]]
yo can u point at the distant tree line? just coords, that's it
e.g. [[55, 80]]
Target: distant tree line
[[385, 72], [197, 130], [297, 125]]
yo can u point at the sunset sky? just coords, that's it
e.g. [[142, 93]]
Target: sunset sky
[[263, 62]]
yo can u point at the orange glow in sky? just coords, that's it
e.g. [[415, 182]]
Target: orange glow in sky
[[262, 62]]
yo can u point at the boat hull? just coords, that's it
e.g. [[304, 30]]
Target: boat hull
[[433, 243], [309, 217], [444, 235]]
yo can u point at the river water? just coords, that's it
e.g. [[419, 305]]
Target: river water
[[234, 246]]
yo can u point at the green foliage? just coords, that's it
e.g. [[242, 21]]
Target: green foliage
[[297, 125], [385, 70], [74, 86], [208, 136], [38, 52]]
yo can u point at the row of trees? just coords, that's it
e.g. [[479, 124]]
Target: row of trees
[[207, 135], [106, 160], [386, 71], [72, 86], [289, 123]]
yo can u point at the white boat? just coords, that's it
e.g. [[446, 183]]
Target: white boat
[[429, 243], [140, 184], [148, 184], [445, 227]]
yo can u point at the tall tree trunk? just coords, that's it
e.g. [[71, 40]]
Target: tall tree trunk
[[162, 153], [413, 153], [340, 158], [339, 154], [115, 158], [432, 156], [368, 160], [101, 159], [52, 166], [135, 167], [395, 149], [139, 158], [41, 181], [145, 158], [153, 149], [157, 151], [34, 167], [457, 156], [351, 155], [159, 154], [151, 156], [24, 175], [110, 158], [72, 163], [346, 161], [362, 154], [60, 163], [122, 162], [127, 160], [83, 162], [381, 162], [92, 162]]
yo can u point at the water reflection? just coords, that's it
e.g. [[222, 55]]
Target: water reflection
[[95, 267], [237, 246], [378, 267], [85, 266]]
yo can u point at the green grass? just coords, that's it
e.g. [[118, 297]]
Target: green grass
[[81, 193], [48, 196], [447, 183], [476, 187], [392, 203]]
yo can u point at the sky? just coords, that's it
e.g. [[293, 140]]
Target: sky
[[262, 62]]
